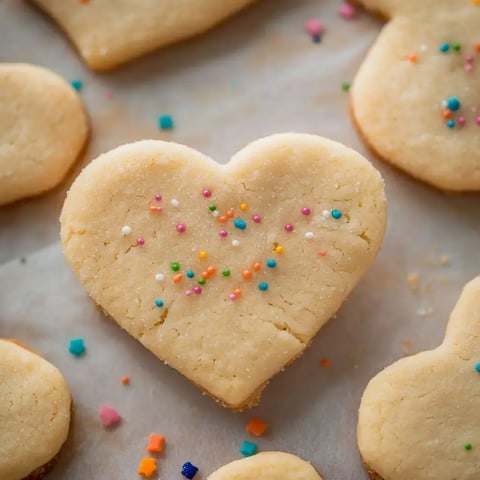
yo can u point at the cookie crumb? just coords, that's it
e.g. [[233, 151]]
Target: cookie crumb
[[109, 416], [155, 443], [445, 260], [189, 470], [148, 466], [413, 280], [424, 312], [256, 427], [407, 347], [248, 448]]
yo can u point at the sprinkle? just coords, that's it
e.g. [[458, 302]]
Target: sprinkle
[[457, 47], [271, 263], [140, 241], [237, 292], [326, 213], [314, 27], [444, 47], [322, 253], [309, 235], [201, 281], [126, 230], [263, 286], [256, 427], [77, 85], [257, 266], [451, 124], [188, 293], [336, 214], [316, 38], [215, 213], [108, 94], [76, 346], [461, 121], [211, 271], [205, 275], [197, 290], [174, 202], [306, 211], [212, 208], [325, 362], [159, 303], [175, 266], [202, 255], [247, 274], [257, 218], [347, 11], [477, 120], [412, 58], [190, 274], [248, 448], [223, 233], [477, 47], [288, 227], [469, 59], [447, 113], [232, 297], [453, 104], [468, 67], [148, 466], [180, 227], [155, 443], [477, 367], [177, 278], [109, 416], [222, 219], [226, 272], [159, 277], [158, 197], [155, 208], [240, 224], [235, 243], [207, 193], [468, 446], [279, 249], [346, 86], [229, 214], [165, 122], [243, 207], [125, 380], [189, 470]]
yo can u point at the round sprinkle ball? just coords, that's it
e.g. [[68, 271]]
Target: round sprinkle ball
[[271, 263], [158, 197], [174, 202], [453, 104], [309, 235], [314, 27], [477, 367], [288, 227], [140, 241], [451, 124], [306, 211], [180, 227], [188, 293], [175, 266], [160, 277], [235, 243], [326, 213], [240, 224], [202, 255], [190, 274], [223, 233], [207, 193], [212, 208], [279, 249], [159, 303], [444, 47], [126, 230], [232, 297], [243, 207], [257, 218], [263, 286], [336, 214], [197, 290], [226, 272], [201, 281]]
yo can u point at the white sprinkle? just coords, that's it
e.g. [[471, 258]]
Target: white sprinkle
[[103, 51], [175, 202], [215, 213], [235, 243], [423, 47], [126, 230], [159, 277], [309, 235], [326, 213], [444, 103]]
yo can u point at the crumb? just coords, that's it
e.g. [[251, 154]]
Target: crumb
[[424, 312], [413, 280], [443, 280], [445, 260], [407, 347]]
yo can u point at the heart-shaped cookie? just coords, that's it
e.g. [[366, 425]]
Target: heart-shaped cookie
[[43, 127], [267, 466], [108, 35], [35, 408], [418, 418], [225, 272], [416, 97]]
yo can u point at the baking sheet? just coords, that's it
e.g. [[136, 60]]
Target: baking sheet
[[254, 75]]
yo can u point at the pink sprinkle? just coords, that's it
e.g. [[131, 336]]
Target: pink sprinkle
[[257, 218], [461, 121], [469, 59], [306, 211], [197, 290], [347, 11], [477, 120], [322, 253], [181, 227], [108, 94], [207, 193], [188, 292], [158, 197], [109, 416], [288, 227], [223, 233], [314, 26], [140, 241], [156, 209], [468, 67], [232, 297]]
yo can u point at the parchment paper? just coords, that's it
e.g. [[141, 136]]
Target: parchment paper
[[254, 75]]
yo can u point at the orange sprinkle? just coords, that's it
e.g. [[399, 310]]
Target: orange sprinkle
[[203, 255], [148, 466], [222, 219], [177, 278], [247, 274], [322, 253], [243, 207], [257, 266], [155, 443], [477, 47], [125, 380], [84, 1], [447, 113], [211, 271], [237, 292], [256, 427], [205, 275], [229, 214], [412, 57], [279, 249], [325, 362]]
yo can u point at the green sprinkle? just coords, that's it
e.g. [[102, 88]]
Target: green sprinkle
[[457, 47], [226, 272], [175, 266], [346, 86], [23, 260], [468, 446], [201, 281], [212, 208]]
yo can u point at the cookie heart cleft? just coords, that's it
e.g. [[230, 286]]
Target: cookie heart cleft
[[225, 272]]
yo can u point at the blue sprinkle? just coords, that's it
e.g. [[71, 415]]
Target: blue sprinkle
[[248, 448], [444, 47], [263, 286], [77, 85], [451, 123], [189, 470], [165, 122], [240, 224], [159, 303], [190, 274], [477, 367], [453, 104], [76, 347], [336, 214], [271, 263], [316, 38]]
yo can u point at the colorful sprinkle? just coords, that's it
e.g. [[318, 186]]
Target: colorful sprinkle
[[243, 207], [215, 213], [211, 271], [263, 286], [159, 303], [181, 227], [237, 292], [457, 47], [240, 224], [461, 121], [322, 253], [177, 278], [306, 211], [271, 263], [346, 86], [453, 104], [477, 120], [309, 235], [189, 470], [148, 466], [202, 255], [347, 11], [477, 367], [257, 266], [248, 448], [155, 208], [226, 272], [325, 362], [165, 122], [109, 416], [140, 241], [288, 227], [175, 266], [159, 277], [229, 214], [77, 85], [444, 47], [326, 213], [412, 57], [336, 214], [235, 243], [174, 202], [279, 249], [256, 427], [468, 446], [257, 218], [158, 197], [197, 290], [188, 293], [232, 297], [212, 208], [126, 230], [223, 233], [247, 274], [76, 347], [451, 124], [155, 443], [125, 380], [207, 193]]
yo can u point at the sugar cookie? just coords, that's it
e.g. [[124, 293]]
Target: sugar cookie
[[107, 36], [35, 408], [418, 418], [43, 127], [416, 97], [267, 466], [225, 272]]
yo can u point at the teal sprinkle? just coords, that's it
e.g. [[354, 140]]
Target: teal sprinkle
[[336, 214], [77, 346], [263, 286], [165, 122], [159, 303], [248, 448], [190, 274], [77, 85], [271, 263], [240, 224]]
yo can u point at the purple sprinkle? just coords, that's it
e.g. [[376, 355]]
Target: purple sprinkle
[[306, 211], [207, 193], [257, 218], [223, 233], [140, 241], [181, 227], [288, 227], [158, 197], [197, 290]]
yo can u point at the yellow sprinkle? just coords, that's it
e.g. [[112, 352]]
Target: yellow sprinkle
[[476, 2], [244, 206], [279, 249], [203, 255]]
